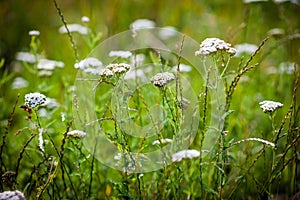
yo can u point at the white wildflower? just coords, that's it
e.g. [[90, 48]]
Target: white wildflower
[[34, 33], [276, 32], [44, 73], [63, 117], [85, 19], [122, 54], [19, 83], [129, 161], [177, 157], [76, 134], [118, 68], [167, 32], [182, 68], [88, 62], [245, 48], [287, 67], [43, 112], [161, 79], [25, 57], [270, 106], [46, 64], [32, 100], [107, 73], [162, 141], [74, 28], [12, 195], [142, 24], [212, 45]]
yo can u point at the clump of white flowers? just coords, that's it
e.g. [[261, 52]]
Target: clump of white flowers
[[26, 57], [115, 68], [49, 64], [270, 106], [34, 33], [33, 100], [74, 28], [162, 141], [142, 24], [121, 54], [85, 19], [76, 134], [189, 154], [161, 79], [13, 195], [212, 45]]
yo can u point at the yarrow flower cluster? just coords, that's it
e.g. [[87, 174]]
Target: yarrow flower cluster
[[76, 134], [13, 195], [212, 45], [270, 106], [34, 33], [25, 57], [162, 141], [177, 157], [74, 28], [115, 68], [161, 79], [49, 64], [121, 54], [32, 100]]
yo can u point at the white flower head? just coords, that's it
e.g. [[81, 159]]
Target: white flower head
[[34, 33], [212, 45], [245, 48], [118, 68], [270, 106], [76, 134], [25, 57], [13, 195], [88, 62], [51, 103], [85, 19], [45, 64], [32, 100], [162, 141], [142, 24], [19, 83], [254, 1], [107, 73], [167, 32], [74, 28], [189, 154], [121, 54], [161, 79]]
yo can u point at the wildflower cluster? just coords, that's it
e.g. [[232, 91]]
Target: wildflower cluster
[[32, 100], [14, 195], [76, 134], [177, 157], [161, 79], [270, 106], [212, 45], [115, 68]]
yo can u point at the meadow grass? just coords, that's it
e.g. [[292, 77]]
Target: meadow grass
[[244, 150]]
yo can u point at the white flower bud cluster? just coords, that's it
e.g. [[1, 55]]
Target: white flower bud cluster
[[117, 68], [32, 100], [189, 154], [76, 134], [212, 45], [270, 106], [13, 195], [161, 79]]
